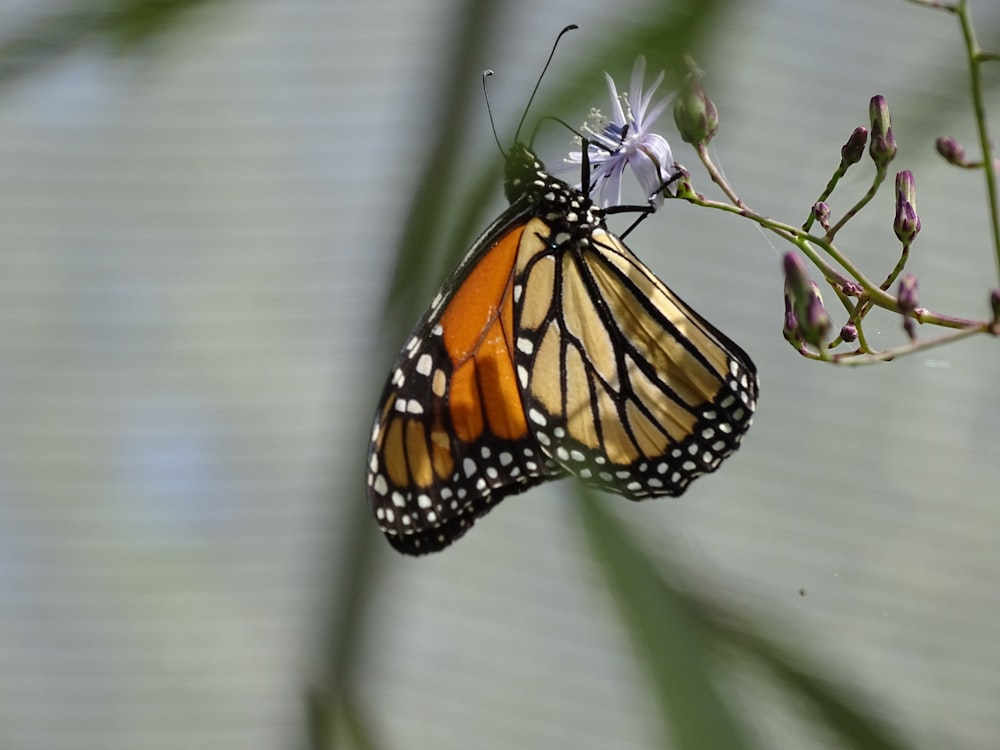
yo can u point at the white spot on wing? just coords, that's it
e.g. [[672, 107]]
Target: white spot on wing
[[424, 364]]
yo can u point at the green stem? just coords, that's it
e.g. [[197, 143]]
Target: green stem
[[865, 199], [717, 177], [804, 242], [923, 315], [827, 192], [975, 80], [887, 355], [900, 264], [936, 5]]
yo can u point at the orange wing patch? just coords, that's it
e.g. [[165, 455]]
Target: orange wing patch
[[479, 340]]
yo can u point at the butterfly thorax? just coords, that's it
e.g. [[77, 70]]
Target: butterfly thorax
[[566, 210]]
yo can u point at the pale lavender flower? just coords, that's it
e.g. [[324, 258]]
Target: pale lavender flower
[[645, 152]]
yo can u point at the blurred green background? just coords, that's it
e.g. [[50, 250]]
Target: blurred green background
[[202, 208]]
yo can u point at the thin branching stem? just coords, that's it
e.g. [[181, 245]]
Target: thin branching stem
[[865, 199], [855, 359], [976, 57], [856, 292]]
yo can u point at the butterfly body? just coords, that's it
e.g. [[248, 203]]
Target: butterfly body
[[552, 350]]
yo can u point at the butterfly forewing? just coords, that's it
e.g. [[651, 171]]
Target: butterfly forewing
[[450, 437]]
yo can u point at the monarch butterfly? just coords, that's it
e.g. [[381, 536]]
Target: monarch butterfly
[[552, 350]]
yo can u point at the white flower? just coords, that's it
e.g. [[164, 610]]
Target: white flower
[[645, 152]]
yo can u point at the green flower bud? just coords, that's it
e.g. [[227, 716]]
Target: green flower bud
[[696, 117], [882, 148]]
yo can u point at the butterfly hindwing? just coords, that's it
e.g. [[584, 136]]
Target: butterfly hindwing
[[625, 385]]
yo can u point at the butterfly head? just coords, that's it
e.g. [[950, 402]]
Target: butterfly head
[[524, 173]]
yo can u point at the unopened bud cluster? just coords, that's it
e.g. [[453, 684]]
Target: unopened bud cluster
[[805, 316]]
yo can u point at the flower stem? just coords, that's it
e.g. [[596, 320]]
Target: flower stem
[[976, 58], [855, 359]]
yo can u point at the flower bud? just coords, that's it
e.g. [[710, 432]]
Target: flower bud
[[995, 305], [803, 303], [682, 186], [790, 328], [822, 213], [796, 277], [854, 149], [906, 187], [907, 297], [814, 322], [907, 300], [951, 150], [882, 148], [696, 117], [851, 288], [906, 223], [849, 333]]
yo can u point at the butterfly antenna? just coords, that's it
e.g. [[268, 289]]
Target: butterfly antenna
[[489, 111], [538, 83]]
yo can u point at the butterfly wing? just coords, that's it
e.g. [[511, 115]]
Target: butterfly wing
[[625, 386], [450, 438]]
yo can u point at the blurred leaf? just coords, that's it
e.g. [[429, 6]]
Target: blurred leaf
[[422, 229], [357, 561], [667, 635], [124, 24], [676, 632], [842, 710], [134, 22], [351, 728]]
